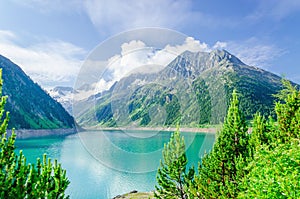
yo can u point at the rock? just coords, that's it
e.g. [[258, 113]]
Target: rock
[[134, 191]]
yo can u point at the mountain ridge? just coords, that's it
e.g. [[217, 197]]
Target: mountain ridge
[[29, 105], [193, 89]]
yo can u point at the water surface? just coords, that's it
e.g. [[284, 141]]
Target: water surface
[[103, 164]]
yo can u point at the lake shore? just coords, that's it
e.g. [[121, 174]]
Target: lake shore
[[32, 133], [169, 129]]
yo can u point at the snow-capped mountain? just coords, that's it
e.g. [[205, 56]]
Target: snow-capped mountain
[[64, 95]]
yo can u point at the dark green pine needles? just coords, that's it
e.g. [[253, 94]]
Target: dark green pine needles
[[222, 168], [172, 177]]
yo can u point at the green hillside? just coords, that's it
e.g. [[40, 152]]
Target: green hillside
[[29, 105], [193, 90]]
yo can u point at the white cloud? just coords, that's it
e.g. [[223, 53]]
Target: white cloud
[[131, 46], [132, 56], [253, 52], [49, 63], [166, 55], [189, 44], [103, 85], [137, 56], [132, 13], [220, 45]]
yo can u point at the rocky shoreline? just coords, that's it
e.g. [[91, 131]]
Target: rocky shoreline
[[32, 133], [182, 129]]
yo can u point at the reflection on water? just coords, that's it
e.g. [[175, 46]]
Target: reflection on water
[[106, 164]]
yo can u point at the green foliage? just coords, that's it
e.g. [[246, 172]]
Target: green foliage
[[288, 113], [204, 100], [172, 178], [263, 164], [21, 180], [274, 173], [105, 115], [143, 99], [261, 133], [222, 168], [210, 99], [256, 92], [173, 111]]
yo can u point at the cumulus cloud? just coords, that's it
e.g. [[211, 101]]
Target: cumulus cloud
[[49, 63], [131, 46], [133, 55], [137, 55], [189, 44]]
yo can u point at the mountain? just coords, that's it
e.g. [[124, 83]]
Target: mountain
[[193, 89], [29, 105], [64, 95]]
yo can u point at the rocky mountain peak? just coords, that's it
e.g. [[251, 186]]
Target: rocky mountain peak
[[192, 64], [190, 81], [223, 55]]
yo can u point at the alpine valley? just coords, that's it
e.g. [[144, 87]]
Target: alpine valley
[[192, 90], [29, 105]]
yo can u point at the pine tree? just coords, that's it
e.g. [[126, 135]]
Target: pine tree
[[172, 179], [262, 130], [273, 173], [21, 180], [221, 169], [288, 113]]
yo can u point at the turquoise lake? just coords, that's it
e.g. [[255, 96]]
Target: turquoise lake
[[103, 164]]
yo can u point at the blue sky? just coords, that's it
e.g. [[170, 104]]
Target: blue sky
[[51, 39]]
